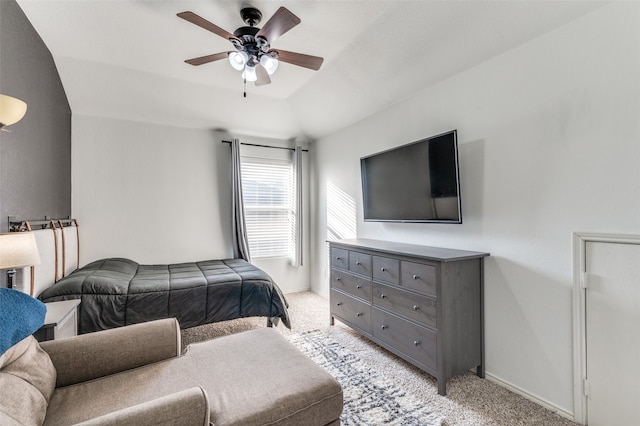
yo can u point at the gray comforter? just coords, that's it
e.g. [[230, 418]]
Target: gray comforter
[[117, 292]]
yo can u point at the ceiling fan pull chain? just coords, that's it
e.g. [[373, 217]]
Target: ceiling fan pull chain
[[245, 87]]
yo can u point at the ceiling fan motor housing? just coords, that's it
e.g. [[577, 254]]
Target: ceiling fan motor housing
[[246, 32], [248, 43]]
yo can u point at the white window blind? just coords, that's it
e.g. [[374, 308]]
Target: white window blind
[[267, 186]]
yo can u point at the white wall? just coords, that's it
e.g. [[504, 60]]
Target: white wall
[[158, 194], [549, 139]]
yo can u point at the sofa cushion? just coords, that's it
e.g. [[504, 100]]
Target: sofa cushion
[[27, 380], [251, 378]]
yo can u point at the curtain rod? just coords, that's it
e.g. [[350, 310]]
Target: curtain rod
[[266, 146]]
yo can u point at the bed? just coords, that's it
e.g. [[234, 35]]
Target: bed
[[115, 292]]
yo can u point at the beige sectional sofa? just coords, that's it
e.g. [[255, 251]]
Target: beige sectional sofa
[[137, 375]]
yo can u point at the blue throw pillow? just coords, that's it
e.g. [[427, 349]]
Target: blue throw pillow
[[20, 316]]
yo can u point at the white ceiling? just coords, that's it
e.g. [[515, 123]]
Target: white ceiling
[[125, 58]]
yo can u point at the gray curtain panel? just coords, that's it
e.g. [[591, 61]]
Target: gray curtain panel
[[240, 240], [297, 163]]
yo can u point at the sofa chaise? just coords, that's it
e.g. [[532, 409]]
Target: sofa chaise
[[138, 375]]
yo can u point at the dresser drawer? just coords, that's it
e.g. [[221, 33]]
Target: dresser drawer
[[419, 277], [351, 310], [360, 263], [411, 339], [419, 308], [352, 284], [386, 269], [339, 258]]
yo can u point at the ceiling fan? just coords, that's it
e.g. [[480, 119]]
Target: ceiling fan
[[254, 55]]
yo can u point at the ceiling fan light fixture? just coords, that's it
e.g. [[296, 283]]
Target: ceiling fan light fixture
[[238, 60], [249, 73], [270, 64], [253, 45]]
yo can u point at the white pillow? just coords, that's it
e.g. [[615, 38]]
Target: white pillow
[[27, 381]]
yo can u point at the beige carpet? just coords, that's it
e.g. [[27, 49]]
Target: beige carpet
[[470, 401]]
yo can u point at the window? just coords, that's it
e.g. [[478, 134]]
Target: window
[[268, 195]]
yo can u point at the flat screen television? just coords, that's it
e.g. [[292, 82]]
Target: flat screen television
[[416, 182]]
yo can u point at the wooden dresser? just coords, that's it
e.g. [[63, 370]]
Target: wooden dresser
[[424, 304]]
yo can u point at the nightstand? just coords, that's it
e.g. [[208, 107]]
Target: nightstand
[[60, 322]]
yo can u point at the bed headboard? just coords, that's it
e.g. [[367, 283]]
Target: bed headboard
[[58, 244]]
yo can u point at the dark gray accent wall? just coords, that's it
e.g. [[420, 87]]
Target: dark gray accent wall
[[35, 157]]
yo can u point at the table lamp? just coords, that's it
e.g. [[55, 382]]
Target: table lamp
[[17, 250]]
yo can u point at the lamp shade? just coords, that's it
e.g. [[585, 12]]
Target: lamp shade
[[250, 73], [270, 64], [18, 250], [238, 59], [11, 110]]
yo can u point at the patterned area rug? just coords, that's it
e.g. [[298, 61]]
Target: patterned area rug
[[369, 397]]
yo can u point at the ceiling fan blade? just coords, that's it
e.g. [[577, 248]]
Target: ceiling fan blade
[[263, 76], [203, 23], [206, 59], [281, 22], [299, 59]]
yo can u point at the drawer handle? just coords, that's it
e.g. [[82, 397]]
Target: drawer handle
[[383, 296], [384, 326], [338, 258], [416, 307], [359, 314], [338, 279], [415, 277], [358, 263], [339, 304], [416, 343], [383, 269], [358, 286]]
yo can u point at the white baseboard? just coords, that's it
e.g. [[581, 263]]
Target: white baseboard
[[294, 289], [531, 397]]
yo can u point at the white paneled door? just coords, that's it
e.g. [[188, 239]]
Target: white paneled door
[[612, 328]]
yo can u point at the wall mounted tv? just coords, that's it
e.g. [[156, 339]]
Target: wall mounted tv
[[417, 182]]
